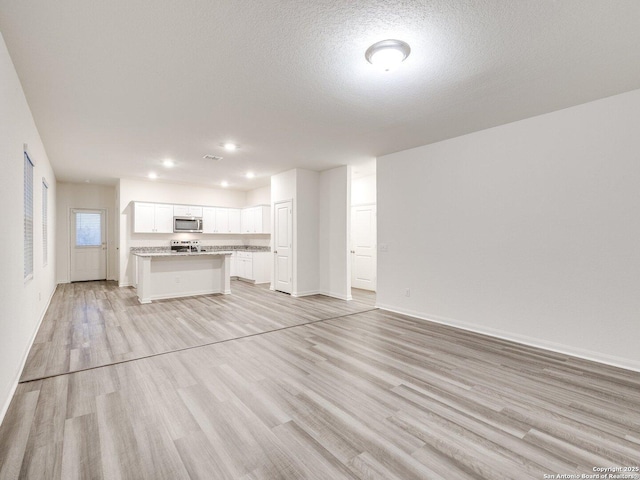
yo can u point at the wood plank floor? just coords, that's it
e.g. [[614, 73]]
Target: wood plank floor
[[371, 395], [91, 324], [364, 296]]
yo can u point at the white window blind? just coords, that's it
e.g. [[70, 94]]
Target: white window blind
[[88, 229], [28, 217], [45, 222]]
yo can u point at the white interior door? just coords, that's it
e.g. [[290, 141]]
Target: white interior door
[[282, 243], [363, 250], [88, 245]]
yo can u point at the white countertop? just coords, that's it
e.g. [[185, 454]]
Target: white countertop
[[180, 254]]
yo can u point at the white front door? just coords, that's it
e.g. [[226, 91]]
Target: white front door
[[282, 247], [363, 250], [88, 245]]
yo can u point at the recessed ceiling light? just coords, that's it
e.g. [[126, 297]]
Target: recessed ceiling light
[[387, 54], [224, 183], [250, 174], [230, 146], [168, 163], [153, 175]]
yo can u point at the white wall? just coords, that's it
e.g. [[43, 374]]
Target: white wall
[[363, 190], [335, 217], [283, 186], [302, 187], [84, 195], [307, 218], [258, 196], [529, 231], [147, 191], [22, 304]]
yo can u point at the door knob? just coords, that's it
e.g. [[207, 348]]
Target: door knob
[[275, 251]]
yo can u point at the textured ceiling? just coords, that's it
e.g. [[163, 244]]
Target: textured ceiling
[[117, 86]]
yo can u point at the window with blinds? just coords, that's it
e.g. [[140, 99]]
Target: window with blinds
[[28, 217], [45, 222]]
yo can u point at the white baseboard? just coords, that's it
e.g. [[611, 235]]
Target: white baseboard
[[582, 353], [122, 285], [305, 294], [16, 380], [336, 295]]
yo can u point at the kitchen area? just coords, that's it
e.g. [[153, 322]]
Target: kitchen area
[[171, 250]]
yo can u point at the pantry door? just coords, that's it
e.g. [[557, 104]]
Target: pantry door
[[283, 246]]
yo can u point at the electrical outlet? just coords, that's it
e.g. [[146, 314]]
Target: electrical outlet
[[177, 279], [407, 292], [383, 247]]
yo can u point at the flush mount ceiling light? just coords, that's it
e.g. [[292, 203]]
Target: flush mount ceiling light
[[229, 146], [250, 174], [153, 175], [168, 163], [224, 184], [387, 54]]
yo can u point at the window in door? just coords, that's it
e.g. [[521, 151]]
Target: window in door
[[88, 229]]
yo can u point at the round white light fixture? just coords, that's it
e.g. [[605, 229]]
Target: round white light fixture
[[387, 54], [153, 175], [168, 163], [250, 175], [230, 146], [224, 184]]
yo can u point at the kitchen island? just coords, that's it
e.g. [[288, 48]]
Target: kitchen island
[[181, 274]]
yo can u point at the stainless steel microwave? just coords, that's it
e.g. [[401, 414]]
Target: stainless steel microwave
[[187, 224]]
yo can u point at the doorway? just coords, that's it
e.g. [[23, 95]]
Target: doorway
[[282, 246], [363, 233], [363, 251], [88, 256]]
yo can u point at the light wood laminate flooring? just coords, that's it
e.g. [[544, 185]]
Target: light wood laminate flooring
[[371, 395], [90, 324], [367, 297]]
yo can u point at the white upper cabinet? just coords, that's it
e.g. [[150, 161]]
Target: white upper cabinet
[[158, 218], [209, 220], [220, 220], [152, 218], [187, 211], [144, 218], [248, 222], [234, 220], [164, 218], [256, 219]]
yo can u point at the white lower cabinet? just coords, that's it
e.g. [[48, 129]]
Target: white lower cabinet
[[253, 266]]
